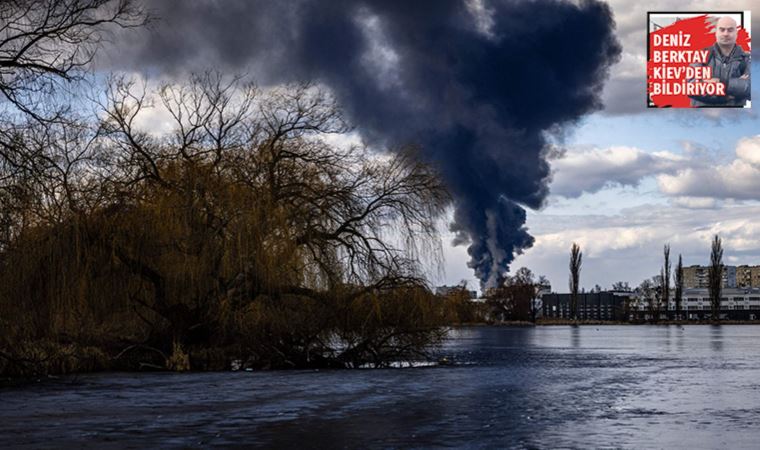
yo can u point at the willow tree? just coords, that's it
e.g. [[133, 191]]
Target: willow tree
[[45, 48], [243, 227]]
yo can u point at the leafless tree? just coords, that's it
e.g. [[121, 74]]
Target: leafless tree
[[715, 276], [576, 257], [541, 286], [47, 152], [655, 304], [46, 42], [665, 277], [621, 286], [319, 220], [517, 296], [245, 226], [244, 221], [678, 286], [44, 146], [647, 293]]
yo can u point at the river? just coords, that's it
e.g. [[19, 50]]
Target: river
[[534, 387]]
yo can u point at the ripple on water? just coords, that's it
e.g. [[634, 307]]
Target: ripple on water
[[630, 387]]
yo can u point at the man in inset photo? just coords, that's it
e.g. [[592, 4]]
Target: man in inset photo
[[730, 65]]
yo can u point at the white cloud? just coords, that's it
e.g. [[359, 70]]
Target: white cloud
[[748, 150], [628, 246], [695, 202], [582, 171], [692, 179], [155, 120], [738, 179]]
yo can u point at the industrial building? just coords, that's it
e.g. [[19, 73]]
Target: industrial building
[[591, 306]]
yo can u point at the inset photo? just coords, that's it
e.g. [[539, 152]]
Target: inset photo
[[699, 59]]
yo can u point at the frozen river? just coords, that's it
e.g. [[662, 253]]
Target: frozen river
[[590, 386]]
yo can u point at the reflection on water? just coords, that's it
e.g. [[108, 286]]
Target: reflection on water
[[716, 338], [576, 336], [590, 386]]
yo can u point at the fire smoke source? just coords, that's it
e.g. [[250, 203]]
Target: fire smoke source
[[476, 83]]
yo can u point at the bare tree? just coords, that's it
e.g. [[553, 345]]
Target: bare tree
[[44, 145], [48, 154], [647, 292], [248, 174], [244, 227], [715, 276], [575, 272], [517, 297], [655, 305], [542, 286], [46, 42], [678, 286], [665, 277]]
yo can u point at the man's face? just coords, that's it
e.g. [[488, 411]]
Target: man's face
[[725, 31]]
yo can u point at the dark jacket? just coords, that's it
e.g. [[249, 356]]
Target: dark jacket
[[728, 69]]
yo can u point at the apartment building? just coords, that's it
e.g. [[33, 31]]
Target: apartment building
[[748, 276], [696, 277]]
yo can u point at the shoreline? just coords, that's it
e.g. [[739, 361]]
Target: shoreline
[[555, 322]]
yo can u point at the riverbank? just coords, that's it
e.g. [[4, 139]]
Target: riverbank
[[565, 322]]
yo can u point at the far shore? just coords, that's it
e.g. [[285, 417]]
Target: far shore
[[553, 322]]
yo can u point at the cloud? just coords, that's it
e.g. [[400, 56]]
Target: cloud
[[707, 195], [592, 170], [739, 179], [695, 202], [692, 179], [628, 246], [748, 150]]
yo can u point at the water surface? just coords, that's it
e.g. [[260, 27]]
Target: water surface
[[605, 386]]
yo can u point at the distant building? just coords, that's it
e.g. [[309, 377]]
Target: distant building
[[735, 304], [748, 276], [448, 290], [697, 277], [591, 306]]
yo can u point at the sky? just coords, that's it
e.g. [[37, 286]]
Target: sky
[[488, 87], [633, 179]]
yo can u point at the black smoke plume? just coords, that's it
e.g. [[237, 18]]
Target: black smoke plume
[[476, 83]]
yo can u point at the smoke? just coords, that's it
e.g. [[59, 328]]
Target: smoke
[[477, 84]]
